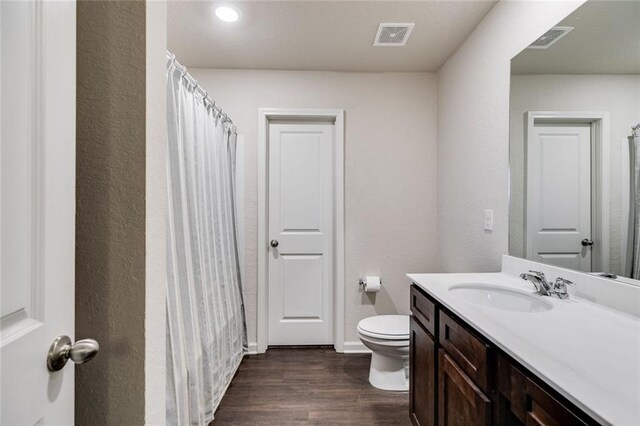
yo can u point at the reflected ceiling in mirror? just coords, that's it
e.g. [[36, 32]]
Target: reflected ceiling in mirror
[[574, 163]]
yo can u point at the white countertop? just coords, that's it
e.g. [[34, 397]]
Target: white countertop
[[587, 352]]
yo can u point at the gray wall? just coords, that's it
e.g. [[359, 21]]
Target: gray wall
[[110, 210]]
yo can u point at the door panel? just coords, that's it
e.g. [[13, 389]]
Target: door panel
[[37, 69], [299, 181], [21, 177], [300, 207], [302, 287], [559, 195]]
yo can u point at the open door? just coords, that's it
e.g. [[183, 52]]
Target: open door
[[37, 211]]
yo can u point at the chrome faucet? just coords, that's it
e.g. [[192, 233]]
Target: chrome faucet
[[544, 287], [539, 281]]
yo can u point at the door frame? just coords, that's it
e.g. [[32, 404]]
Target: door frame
[[600, 176], [265, 116]]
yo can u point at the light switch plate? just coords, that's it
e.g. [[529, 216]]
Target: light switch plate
[[488, 220]]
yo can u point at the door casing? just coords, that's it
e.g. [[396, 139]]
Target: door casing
[[265, 116], [600, 176]]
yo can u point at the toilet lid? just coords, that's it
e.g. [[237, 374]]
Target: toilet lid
[[392, 327]]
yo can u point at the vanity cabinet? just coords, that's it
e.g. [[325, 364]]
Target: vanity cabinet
[[458, 378]]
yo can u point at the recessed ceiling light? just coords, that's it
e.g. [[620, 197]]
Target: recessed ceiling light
[[227, 13]]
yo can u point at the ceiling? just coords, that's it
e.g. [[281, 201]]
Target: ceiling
[[320, 35], [605, 40]]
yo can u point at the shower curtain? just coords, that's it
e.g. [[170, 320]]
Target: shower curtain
[[635, 201], [206, 336]]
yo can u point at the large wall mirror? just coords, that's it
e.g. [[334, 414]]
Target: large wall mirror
[[575, 143]]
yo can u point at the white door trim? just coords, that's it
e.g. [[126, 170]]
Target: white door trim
[[600, 148], [264, 116]]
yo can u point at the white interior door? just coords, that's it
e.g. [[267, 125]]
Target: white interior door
[[300, 209], [559, 195], [37, 233]]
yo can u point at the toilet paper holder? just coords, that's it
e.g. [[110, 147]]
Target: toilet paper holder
[[362, 282]]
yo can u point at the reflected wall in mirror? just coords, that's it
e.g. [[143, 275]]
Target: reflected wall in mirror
[[574, 160]]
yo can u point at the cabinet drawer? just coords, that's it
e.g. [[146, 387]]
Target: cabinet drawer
[[467, 350], [423, 309], [533, 405]]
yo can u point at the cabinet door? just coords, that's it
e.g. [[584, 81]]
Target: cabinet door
[[536, 407], [422, 380], [460, 401]]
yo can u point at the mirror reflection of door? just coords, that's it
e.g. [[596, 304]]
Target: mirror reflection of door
[[584, 71], [559, 195]]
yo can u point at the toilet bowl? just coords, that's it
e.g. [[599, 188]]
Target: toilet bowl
[[388, 338]]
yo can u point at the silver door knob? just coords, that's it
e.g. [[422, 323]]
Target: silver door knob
[[62, 350], [587, 242], [274, 243]]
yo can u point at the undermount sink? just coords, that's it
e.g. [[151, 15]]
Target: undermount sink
[[500, 298]]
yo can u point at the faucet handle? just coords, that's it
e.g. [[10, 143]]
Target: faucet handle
[[563, 282], [538, 273], [560, 287]]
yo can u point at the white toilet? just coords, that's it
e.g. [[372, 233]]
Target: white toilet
[[388, 338]]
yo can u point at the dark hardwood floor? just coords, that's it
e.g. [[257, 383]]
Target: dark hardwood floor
[[309, 387]]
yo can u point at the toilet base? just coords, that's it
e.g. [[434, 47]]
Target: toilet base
[[389, 372]]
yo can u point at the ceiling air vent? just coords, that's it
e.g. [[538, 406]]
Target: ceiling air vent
[[393, 34], [550, 37]]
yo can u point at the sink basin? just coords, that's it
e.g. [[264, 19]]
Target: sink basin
[[500, 298]]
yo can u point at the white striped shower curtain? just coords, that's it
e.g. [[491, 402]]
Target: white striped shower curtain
[[206, 336]]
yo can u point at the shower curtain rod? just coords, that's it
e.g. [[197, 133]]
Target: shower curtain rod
[[206, 99]]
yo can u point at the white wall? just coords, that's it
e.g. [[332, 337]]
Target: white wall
[[156, 214], [619, 95], [473, 132], [390, 172]]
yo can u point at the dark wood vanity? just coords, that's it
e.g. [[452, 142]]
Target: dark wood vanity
[[459, 378]]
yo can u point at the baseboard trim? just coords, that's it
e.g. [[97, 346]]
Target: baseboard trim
[[355, 347]]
